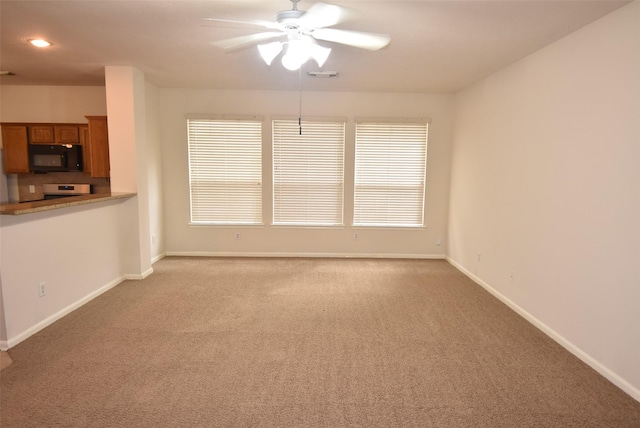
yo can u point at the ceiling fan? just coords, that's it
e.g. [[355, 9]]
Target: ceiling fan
[[299, 31]]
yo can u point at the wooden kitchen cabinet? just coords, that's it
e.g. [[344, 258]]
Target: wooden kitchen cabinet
[[83, 135], [98, 147], [16, 149], [54, 134], [93, 137], [41, 134], [66, 134]]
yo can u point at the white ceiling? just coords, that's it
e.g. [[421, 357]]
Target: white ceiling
[[436, 46]]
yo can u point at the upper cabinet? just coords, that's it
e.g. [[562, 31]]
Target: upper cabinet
[[98, 147], [15, 146], [93, 137], [66, 134], [41, 134], [54, 134], [83, 133]]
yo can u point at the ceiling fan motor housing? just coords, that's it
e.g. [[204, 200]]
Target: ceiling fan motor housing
[[288, 16]]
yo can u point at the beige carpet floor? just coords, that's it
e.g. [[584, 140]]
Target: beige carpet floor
[[226, 342], [5, 360]]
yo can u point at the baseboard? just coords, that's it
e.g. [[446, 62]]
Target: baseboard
[[11, 342], [306, 255], [158, 258], [138, 276], [568, 345]]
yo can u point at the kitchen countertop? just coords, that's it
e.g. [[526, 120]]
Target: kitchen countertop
[[20, 208]]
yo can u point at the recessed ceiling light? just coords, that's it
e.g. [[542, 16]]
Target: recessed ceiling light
[[41, 43]]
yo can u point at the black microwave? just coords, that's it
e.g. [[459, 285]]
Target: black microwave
[[46, 158]]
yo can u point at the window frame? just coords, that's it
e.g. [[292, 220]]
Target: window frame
[[319, 218], [369, 219], [251, 209]]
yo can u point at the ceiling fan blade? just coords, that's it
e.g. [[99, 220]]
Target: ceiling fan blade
[[322, 15], [371, 41], [242, 41], [259, 23]]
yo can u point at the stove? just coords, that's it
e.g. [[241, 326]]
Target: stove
[[54, 191]]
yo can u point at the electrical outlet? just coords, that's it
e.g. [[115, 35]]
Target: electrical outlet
[[439, 242], [32, 188], [42, 291], [479, 258], [153, 239], [355, 236], [237, 235]]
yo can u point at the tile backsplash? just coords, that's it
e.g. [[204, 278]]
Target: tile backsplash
[[98, 185]]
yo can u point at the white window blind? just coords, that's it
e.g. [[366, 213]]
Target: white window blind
[[225, 171], [390, 172], [308, 172]]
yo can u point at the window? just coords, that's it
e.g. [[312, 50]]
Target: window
[[308, 178], [390, 171], [225, 171]]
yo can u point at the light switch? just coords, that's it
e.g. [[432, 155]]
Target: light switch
[[32, 188]]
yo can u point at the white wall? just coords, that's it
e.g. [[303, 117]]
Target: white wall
[[545, 188], [266, 240], [126, 109], [154, 158], [56, 104], [76, 251]]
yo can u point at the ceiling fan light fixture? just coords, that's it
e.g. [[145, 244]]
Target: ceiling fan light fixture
[[296, 55], [269, 51], [302, 30], [290, 62]]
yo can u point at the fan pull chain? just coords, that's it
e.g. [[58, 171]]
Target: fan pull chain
[[300, 99]]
